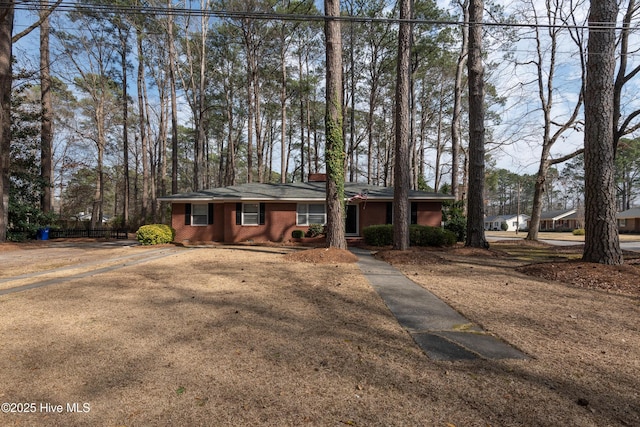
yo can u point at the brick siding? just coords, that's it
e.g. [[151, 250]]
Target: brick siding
[[279, 222]]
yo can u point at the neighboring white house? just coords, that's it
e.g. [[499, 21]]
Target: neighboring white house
[[513, 222]]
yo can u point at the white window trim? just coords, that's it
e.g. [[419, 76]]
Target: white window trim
[[257, 214], [306, 213], [193, 214]]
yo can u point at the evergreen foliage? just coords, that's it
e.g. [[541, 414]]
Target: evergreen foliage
[[454, 219], [419, 235], [155, 234], [25, 215]]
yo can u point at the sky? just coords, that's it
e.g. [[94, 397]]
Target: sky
[[517, 138]]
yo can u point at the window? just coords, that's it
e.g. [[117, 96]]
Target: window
[[250, 213], [311, 214], [622, 222], [198, 213], [414, 213]]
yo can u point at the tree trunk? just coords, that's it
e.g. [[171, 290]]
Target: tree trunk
[[162, 175], [143, 129], [602, 244], [230, 173], [440, 146], [6, 46], [174, 102], [152, 155], [46, 129], [475, 210], [457, 105], [353, 158], [201, 144], [249, 126], [98, 197], [402, 172], [334, 150], [257, 117], [124, 36], [283, 114]]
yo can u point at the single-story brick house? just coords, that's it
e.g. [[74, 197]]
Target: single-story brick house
[[629, 221], [270, 212], [558, 220]]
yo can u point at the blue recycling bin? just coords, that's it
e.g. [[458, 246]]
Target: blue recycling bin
[[43, 233]]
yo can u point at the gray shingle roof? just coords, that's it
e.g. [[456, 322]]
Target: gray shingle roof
[[557, 214], [629, 213], [298, 191]]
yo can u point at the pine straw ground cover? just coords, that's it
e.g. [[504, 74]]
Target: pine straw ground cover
[[263, 336]]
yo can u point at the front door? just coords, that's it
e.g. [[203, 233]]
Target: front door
[[351, 221]]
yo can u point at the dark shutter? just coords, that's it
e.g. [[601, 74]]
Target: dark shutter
[[187, 214], [389, 219], [210, 219], [414, 213], [238, 213], [261, 214]]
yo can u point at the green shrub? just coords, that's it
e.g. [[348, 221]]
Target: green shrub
[[504, 226], [423, 235], [155, 234], [315, 230], [378, 235], [454, 219], [419, 235], [578, 232], [297, 234]]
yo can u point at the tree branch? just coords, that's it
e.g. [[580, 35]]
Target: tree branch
[[567, 157], [44, 16]]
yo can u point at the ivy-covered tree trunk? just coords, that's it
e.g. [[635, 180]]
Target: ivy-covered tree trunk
[[475, 213], [334, 149], [601, 244], [6, 45]]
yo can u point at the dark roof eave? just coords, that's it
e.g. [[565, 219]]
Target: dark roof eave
[[290, 199]]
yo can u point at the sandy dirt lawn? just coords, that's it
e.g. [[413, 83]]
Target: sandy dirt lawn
[[255, 336]]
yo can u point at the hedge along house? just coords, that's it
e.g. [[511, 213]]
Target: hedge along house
[[271, 212]]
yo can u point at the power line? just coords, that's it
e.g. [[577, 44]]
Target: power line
[[69, 6]]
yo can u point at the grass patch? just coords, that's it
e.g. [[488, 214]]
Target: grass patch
[[538, 252]]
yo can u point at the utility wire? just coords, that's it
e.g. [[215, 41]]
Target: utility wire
[[229, 14]]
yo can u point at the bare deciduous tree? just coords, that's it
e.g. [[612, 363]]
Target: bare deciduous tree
[[554, 128]]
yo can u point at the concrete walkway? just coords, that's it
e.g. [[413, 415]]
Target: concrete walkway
[[440, 331]]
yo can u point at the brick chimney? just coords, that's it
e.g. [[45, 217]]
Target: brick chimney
[[317, 177]]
